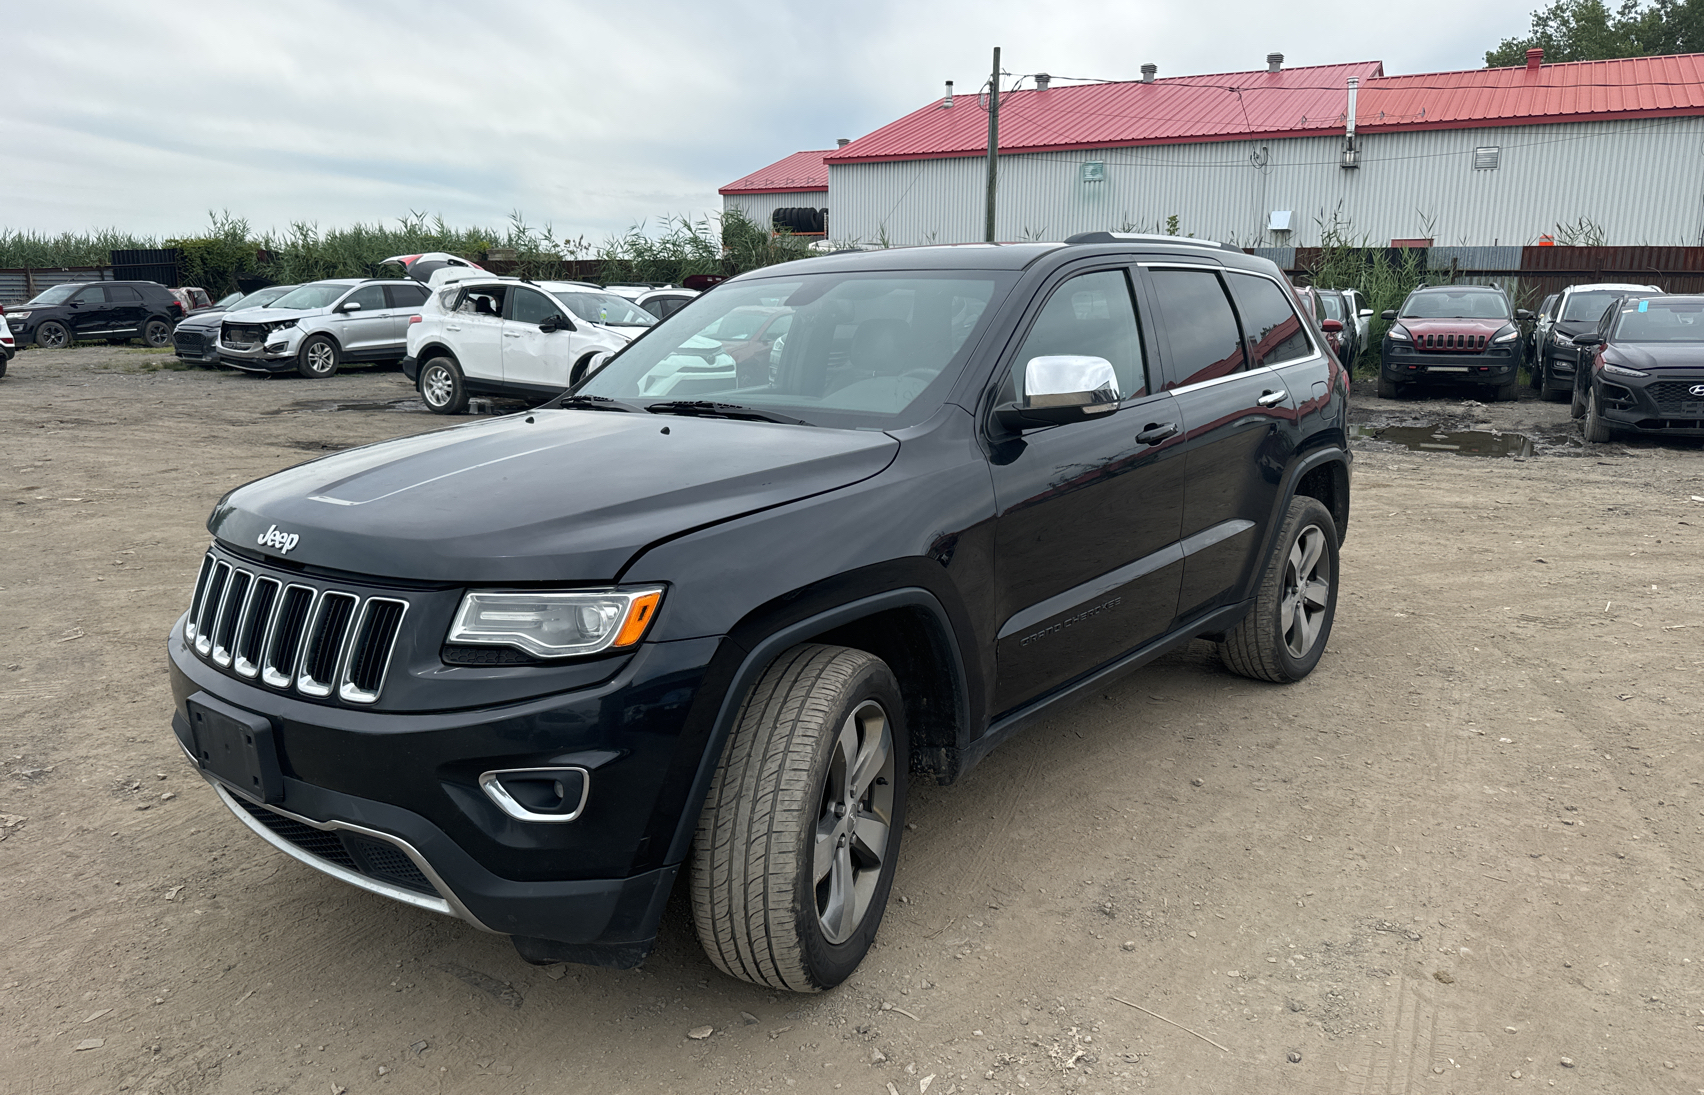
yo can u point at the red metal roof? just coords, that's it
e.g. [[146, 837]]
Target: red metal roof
[[1293, 102], [800, 171]]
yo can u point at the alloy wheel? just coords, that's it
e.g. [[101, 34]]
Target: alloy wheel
[[1307, 591], [52, 336], [852, 829], [321, 357], [437, 385]]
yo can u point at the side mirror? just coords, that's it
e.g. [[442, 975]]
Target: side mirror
[[349, 306], [1331, 326], [556, 323], [1587, 339], [1364, 313], [1062, 388], [1522, 313], [1388, 315]]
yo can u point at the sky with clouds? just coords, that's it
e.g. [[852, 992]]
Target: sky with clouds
[[144, 116]]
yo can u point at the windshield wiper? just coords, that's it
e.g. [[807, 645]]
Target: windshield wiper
[[593, 403], [704, 408]]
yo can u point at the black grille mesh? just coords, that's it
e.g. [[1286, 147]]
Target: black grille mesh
[[1671, 396], [320, 663], [287, 639], [362, 855], [372, 646]]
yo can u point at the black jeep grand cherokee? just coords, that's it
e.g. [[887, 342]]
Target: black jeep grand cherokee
[[525, 671]]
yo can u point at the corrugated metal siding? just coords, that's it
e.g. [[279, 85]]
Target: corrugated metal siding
[[1642, 182], [21, 285], [759, 206]]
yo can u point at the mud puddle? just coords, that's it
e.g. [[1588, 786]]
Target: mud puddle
[[1460, 442]]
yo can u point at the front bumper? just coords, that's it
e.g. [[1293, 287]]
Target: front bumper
[[390, 802], [274, 353], [411, 368], [1660, 405], [1447, 368], [201, 346]]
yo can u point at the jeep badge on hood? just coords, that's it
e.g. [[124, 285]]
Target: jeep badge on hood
[[276, 537]]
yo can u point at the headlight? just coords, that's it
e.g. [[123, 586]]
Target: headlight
[[280, 325], [1399, 334], [557, 625], [1507, 334], [18, 315], [1621, 370]]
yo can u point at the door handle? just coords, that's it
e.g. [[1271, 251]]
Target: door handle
[[511, 334], [451, 327], [1155, 433], [1272, 399]]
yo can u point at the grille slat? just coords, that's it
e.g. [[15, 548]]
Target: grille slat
[[279, 668], [236, 603], [292, 635], [323, 654], [191, 624], [210, 608]]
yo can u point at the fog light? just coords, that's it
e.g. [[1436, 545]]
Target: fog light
[[538, 794]]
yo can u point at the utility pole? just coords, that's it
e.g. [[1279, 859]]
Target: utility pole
[[993, 140]]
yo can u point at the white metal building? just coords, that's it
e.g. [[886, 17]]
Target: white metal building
[[1614, 149], [798, 182]]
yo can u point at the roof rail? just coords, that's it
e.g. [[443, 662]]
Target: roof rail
[[1146, 237]]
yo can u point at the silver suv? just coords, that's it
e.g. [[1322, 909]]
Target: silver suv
[[322, 325]]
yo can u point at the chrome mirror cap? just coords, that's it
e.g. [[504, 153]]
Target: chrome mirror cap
[[1070, 380]]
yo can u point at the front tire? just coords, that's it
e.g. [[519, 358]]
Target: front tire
[[1506, 392], [1285, 632], [442, 386], [1595, 429], [53, 335], [1387, 388], [317, 359], [156, 333], [1546, 386], [794, 855]]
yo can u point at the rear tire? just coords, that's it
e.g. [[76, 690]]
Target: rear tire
[[1546, 387], [442, 386], [795, 850], [317, 359], [156, 333], [1594, 428], [1285, 632]]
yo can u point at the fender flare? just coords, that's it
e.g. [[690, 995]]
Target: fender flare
[[1330, 454], [757, 660]]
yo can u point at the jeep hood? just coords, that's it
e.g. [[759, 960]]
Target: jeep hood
[[546, 496]]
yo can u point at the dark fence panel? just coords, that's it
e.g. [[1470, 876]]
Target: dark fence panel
[[164, 265], [22, 284]]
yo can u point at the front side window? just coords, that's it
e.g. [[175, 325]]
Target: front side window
[[872, 351], [55, 294], [1090, 315], [530, 307], [1201, 329], [371, 298], [1272, 324]]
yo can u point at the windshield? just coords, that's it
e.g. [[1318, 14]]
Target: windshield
[[1446, 305], [58, 294], [861, 350], [740, 325], [319, 294], [1333, 305], [1661, 321], [261, 298], [1590, 307], [607, 308]]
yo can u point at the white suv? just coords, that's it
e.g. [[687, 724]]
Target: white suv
[[488, 335]]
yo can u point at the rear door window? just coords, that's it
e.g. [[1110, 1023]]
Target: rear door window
[[406, 296], [1201, 329], [1270, 319]]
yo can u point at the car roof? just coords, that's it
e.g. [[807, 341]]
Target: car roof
[[1598, 286], [1460, 289], [1687, 298]]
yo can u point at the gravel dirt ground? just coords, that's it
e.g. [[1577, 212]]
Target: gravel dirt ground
[[1462, 856]]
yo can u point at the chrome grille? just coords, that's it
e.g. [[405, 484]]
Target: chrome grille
[[318, 642]]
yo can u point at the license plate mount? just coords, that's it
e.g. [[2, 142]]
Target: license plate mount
[[237, 747]]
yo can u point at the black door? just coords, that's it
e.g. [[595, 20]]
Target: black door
[[1086, 555], [126, 309], [87, 312], [1238, 418]]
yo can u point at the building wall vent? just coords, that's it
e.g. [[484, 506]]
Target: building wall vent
[[1279, 221], [1487, 158], [1092, 171]]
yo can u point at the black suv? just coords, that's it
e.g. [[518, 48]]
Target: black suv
[[527, 670], [117, 311]]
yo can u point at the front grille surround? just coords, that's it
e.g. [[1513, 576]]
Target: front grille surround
[[322, 643], [1670, 396]]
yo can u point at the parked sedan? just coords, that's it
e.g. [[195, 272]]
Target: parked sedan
[[1644, 369], [197, 337]]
